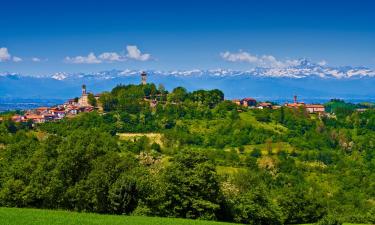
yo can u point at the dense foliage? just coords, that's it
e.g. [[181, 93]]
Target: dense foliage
[[208, 159]]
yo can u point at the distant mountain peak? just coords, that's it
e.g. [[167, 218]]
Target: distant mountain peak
[[301, 68], [60, 76]]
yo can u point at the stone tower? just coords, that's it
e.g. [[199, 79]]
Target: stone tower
[[84, 100], [144, 78], [84, 91]]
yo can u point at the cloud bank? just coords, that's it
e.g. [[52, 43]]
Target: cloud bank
[[6, 56], [133, 53], [267, 61], [89, 59]]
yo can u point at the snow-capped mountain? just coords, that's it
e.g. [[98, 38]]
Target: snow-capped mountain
[[300, 69], [302, 77]]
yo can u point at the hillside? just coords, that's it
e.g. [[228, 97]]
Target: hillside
[[194, 155]]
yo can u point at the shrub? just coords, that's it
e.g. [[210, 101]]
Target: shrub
[[329, 220]]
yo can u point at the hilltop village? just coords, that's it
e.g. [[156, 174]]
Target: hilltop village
[[89, 102]]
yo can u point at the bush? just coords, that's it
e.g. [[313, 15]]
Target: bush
[[255, 207], [330, 220]]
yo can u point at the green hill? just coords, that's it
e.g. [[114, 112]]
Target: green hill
[[193, 156]]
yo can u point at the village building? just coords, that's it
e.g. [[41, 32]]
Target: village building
[[17, 118], [35, 118], [237, 101], [264, 105], [310, 108], [246, 102], [295, 103], [315, 108]]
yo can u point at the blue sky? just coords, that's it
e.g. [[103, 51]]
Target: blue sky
[[44, 37]]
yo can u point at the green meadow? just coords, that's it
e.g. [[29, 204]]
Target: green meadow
[[17, 216]]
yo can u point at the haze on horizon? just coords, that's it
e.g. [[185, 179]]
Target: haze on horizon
[[44, 37]]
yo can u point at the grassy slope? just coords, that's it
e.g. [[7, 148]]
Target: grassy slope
[[154, 137], [15, 216], [10, 216], [248, 117]]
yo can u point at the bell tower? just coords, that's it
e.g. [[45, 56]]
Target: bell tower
[[144, 78], [84, 91]]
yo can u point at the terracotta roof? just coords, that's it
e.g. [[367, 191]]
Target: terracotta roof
[[314, 106], [248, 99], [295, 104], [34, 116], [16, 117], [265, 104]]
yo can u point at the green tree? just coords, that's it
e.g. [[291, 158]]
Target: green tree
[[192, 187], [92, 100], [255, 207]]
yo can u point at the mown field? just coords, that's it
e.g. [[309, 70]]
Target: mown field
[[16, 216]]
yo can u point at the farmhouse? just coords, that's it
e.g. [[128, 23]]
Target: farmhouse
[[247, 102], [315, 108], [264, 105]]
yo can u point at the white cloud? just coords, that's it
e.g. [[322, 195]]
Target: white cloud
[[239, 57], [35, 59], [260, 61], [17, 59], [4, 54], [136, 54], [107, 57], [111, 57], [264, 61], [89, 59]]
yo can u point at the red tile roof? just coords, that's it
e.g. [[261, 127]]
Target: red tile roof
[[248, 99], [314, 106]]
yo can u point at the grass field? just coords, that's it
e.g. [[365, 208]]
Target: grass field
[[248, 117], [154, 137], [15, 216]]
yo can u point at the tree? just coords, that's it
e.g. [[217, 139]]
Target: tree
[[92, 100], [107, 101], [124, 194], [179, 94], [255, 207], [192, 188]]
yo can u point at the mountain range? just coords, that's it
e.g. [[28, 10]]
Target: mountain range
[[310, 81]]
